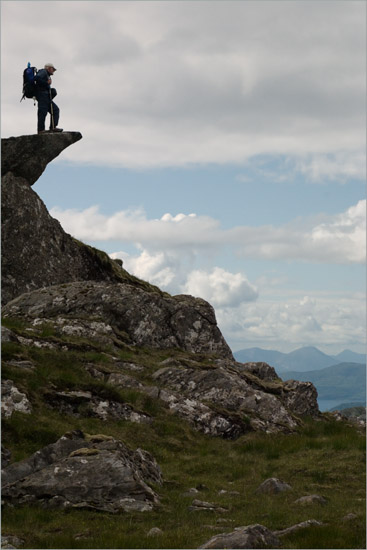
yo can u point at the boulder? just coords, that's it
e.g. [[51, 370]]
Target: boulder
[[273, 486], [201, 505], [154, 532], [13, 400], [300, 398], [250, 536], [261, 370], [95, 472], [311, 499]]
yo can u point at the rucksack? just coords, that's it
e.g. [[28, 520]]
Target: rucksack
[[29, 85]]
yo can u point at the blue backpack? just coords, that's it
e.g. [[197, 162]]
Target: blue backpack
[[29, 85]]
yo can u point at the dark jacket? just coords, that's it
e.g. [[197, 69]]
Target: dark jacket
[[41, 80]]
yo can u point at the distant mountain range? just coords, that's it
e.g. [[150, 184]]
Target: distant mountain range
[[345, 381], [301, 360]]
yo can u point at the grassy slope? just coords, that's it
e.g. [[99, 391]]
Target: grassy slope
[[326, 458]]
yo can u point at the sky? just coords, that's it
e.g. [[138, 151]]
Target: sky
[[223, 152]]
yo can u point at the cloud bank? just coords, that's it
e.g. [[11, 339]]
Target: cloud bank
[[177, 83], [338, 239]]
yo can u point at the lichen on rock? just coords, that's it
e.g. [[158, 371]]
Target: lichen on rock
[[77, 472]]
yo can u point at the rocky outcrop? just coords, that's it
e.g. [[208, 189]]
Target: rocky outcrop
[[87, 299], [27, 156], [36, 251], [79, 471], [217, 396], [121, 311], [13, 400], [250, 402]]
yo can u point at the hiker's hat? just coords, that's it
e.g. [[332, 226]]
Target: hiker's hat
[[51, 65]]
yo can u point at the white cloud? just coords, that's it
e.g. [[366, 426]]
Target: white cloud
[[338, 239], [221, 288], [174, 273], [346, 234], [339, 166], [332, 321], [163, 84], [158, 268]]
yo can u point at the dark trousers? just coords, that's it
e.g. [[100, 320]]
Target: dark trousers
[[44, 107]]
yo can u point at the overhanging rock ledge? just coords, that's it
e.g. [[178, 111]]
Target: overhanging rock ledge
[[27, 156]]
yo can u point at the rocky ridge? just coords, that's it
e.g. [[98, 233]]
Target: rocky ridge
[[63, 297]]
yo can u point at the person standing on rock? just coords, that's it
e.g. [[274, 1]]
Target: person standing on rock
[[44, 96]]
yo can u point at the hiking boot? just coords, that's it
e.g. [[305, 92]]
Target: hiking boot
[[56, 129], [42, 132]]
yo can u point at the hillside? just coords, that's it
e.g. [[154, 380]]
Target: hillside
[[348, 356], [126, 420]]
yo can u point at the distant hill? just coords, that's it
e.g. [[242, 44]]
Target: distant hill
[[344, 406], [348, 356], [345, 381], [300, 360], [305, 359], [259, 355]]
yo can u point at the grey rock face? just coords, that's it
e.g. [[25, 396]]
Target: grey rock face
[[5, 456], [303, 525], [27, 156], [261, 370], [300, 397], [98, 473], [251, 536], [227, 388], [8, 335], [145, 318], [36, 251], [73, 402], [11, 541], [13, 400]]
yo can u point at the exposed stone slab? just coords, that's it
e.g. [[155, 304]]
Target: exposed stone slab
[[95, 472], [146, 318]]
